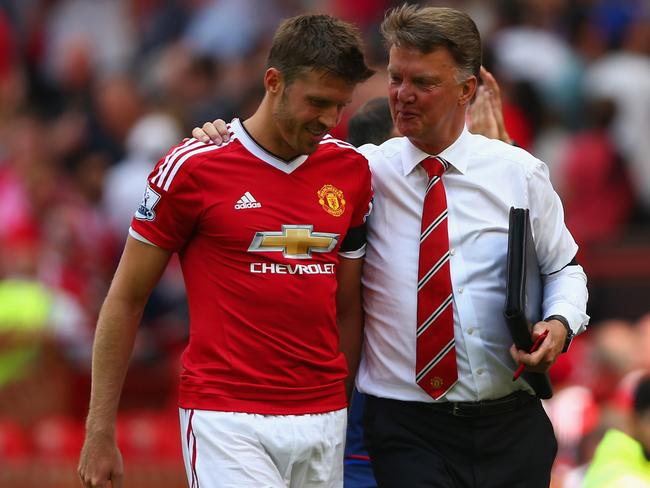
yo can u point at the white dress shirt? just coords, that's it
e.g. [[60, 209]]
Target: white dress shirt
[[485, 179]]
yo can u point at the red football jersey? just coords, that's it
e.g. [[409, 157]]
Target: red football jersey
[[258, 240]]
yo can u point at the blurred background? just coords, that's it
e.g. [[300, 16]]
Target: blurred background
[[93, 92]]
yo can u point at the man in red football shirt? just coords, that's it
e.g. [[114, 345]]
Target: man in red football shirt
[[269, 228]]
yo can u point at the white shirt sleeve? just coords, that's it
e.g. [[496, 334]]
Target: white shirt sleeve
[[565, 287]]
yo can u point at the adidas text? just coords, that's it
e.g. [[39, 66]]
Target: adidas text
[[240, 206]]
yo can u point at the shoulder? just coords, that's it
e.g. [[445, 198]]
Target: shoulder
[[185, 158], [387, 151], [508, 156], [332, 147]]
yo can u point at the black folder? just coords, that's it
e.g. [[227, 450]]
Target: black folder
[[524, 292]]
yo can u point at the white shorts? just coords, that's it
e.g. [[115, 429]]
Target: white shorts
[[238, 450]]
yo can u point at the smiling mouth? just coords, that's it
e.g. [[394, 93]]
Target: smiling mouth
[[404, 111], [407, 115], [317, 134]]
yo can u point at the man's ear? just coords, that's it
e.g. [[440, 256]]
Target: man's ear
[[469, 89], [273, 81]]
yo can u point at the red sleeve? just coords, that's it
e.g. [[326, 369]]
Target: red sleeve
[[364, 206], [169, 211]]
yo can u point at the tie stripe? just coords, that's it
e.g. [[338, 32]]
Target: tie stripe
[[425, 325], [450, 345], [433, 271], [433, 225], [432, 183]]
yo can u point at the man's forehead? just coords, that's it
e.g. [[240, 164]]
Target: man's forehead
[[439, 57], [323, 81], [321, 76]]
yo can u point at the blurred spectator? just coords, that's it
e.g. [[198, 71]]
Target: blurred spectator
[[622, 459], [624, 77], [158, 23], [42, 331], [87, 37], [612, 355], [117, 105], [525, 51], [226, 30], [147, 142], [592, 168]]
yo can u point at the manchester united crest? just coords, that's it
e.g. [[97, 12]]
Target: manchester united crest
[[332, 200]]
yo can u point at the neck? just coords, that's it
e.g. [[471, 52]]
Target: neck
[[262, 127]]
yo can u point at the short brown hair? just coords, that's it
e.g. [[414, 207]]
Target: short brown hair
[[318, 42], [429, 28]]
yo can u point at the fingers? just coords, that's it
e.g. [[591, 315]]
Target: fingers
[[482, 119], [88, 481], [222, 128], [199, 134], [100, 464], [491, 84], [541, 359], [117, 480], [100, 480], [215, 131]]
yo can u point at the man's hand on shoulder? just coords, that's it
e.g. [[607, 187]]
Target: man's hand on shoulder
[[215, 131]]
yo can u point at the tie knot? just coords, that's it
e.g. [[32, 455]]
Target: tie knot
[[434, 166]]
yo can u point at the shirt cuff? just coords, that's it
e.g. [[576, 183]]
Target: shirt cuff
[[577, 319]]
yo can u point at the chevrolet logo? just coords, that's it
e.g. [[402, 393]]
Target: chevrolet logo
[[295, 241]]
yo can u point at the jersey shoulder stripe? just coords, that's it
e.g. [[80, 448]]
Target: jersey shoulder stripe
[[179, 155], [327, 140], [171, 156]]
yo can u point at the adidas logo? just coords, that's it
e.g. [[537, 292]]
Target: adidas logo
[[247, 201]]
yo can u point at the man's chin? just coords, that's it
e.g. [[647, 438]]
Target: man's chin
[[407, 130], [309, 146]]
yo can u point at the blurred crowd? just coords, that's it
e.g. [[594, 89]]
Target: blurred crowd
[[94, 92]]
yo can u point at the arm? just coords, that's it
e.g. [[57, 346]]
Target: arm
[[565, 283], [139, 270], [349, 314]]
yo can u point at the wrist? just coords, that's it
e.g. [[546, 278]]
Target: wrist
[[96, 429], [567, 327]]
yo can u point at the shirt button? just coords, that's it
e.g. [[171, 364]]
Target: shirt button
[[461, 289], [479, 371], [452, 251], [470, 331]]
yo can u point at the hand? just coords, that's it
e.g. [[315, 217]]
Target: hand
[[486, 113], [215, 131], [541, 360], [100, 462]]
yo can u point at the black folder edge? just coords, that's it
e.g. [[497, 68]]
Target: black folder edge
[[520, 246]]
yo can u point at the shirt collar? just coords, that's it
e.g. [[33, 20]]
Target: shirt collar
[[455, 154]]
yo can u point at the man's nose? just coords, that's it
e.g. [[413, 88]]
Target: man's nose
[[405, 93]]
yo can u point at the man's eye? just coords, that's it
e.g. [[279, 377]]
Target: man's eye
[[318, 103]]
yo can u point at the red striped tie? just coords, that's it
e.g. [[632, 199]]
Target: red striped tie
[[435, 363]]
